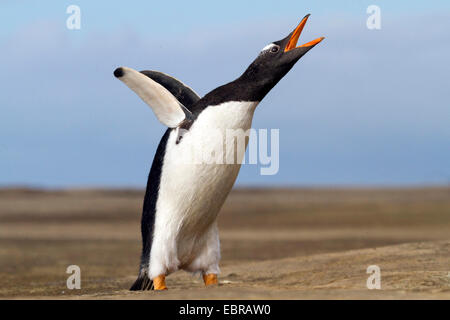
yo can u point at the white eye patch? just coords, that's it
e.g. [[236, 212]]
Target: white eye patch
[[268, 47]]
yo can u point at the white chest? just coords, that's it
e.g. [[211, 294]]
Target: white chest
[[191, 192]]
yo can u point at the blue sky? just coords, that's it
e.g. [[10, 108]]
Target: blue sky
[[365, 107]]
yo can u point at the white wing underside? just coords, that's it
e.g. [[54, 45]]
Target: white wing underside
[[166, 107]]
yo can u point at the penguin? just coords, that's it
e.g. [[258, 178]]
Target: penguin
[[183, 198]]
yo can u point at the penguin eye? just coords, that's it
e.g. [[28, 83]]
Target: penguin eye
[[275, 49]]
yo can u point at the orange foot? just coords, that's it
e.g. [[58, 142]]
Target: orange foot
[[159, 283], [210, 279]]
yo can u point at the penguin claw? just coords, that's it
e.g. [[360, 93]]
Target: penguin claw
[[142, 283], [159, 283], [210, 279]]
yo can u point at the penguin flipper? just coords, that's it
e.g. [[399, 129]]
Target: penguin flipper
[[182, 92], [164, 104]]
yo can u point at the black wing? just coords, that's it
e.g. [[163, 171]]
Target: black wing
[[143, 282], [182, 92]]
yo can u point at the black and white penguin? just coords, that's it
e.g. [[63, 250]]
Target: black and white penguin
[[183, 198]]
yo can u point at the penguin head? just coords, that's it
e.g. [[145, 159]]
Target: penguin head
[[276, 59]]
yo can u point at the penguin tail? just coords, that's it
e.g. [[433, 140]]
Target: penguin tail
[[142, 283]]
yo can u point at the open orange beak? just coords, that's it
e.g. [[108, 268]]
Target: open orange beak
[[292, 44]]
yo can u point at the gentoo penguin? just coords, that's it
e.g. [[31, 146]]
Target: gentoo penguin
[[183, 197]]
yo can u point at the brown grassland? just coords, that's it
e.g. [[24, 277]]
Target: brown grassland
[[301, 243]]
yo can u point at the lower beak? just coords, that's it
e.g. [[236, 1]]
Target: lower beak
[[292, 43]]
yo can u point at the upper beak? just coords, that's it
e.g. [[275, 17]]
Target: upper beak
[[292, 43]]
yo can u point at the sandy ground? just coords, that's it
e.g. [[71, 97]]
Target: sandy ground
[[276, 244]]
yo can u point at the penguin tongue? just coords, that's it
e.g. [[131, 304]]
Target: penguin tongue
[[292, 44]]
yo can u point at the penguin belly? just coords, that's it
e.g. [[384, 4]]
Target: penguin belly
[[192, 192]]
